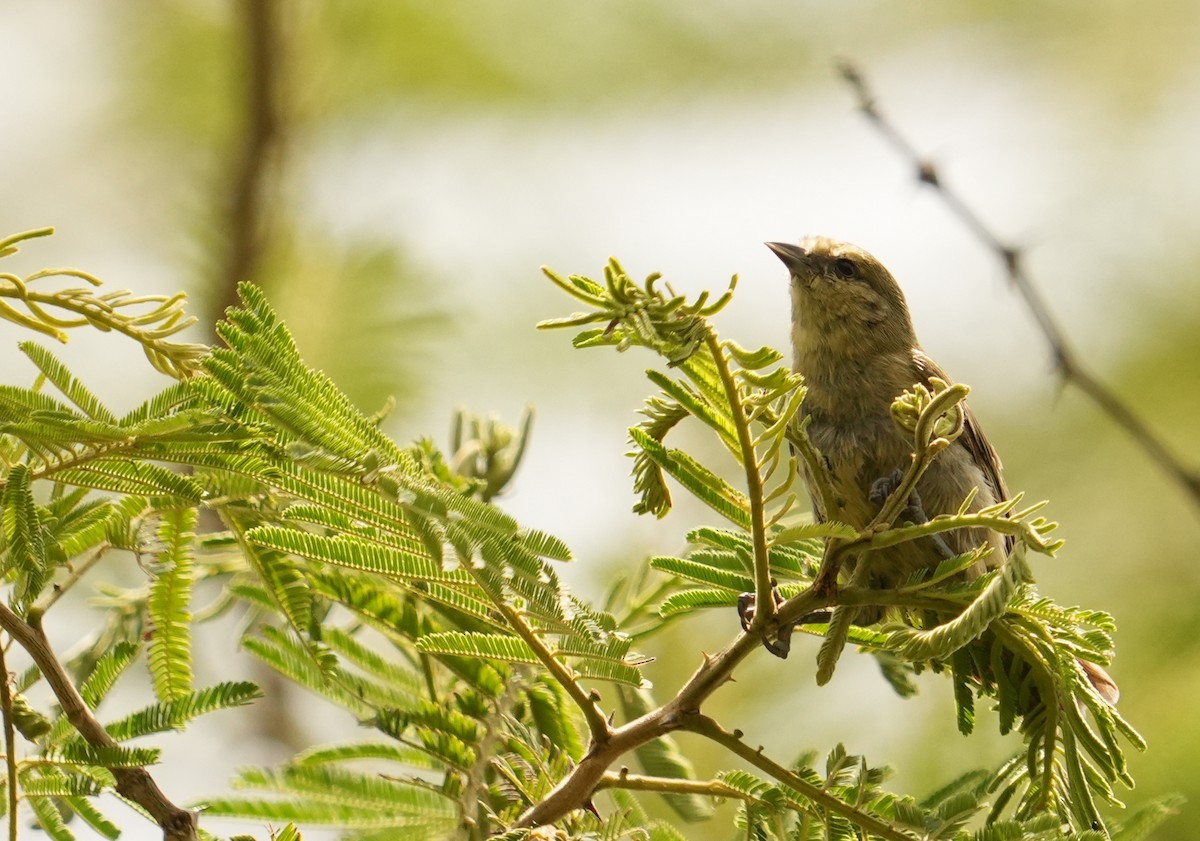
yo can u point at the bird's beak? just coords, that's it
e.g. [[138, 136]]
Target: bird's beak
[[793, 256]]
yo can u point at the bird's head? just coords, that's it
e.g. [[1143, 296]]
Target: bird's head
[[843, 299]]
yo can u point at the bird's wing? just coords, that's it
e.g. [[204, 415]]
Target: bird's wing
[[972, 437]]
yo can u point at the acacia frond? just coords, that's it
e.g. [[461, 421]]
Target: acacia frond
[[150, 320], [169, 649]]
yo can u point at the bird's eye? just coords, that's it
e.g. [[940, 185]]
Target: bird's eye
[[845, 268]]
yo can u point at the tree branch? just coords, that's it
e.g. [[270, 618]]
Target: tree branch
[[10, 746], [134, 784], [262, 139], [575, 790], [1066, 360]]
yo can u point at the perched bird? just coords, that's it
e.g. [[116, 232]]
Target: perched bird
[[855, 345]]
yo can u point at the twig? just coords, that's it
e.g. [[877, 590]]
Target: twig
[[10, 746], [708, 728], [598, 725], [78, 570], [670, 785], [1070, 369], [134, 784], [246, 226], [574, 790]]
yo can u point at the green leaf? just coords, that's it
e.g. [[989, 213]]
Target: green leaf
[[84, 526], [705, 485], [108, 757], [283, 580], [104, 674], [394, 683], [358, 751], [555, 715], [176, 714], [494, 646], [752, 360], [358, 553], [169, 649], [301, 665], [93, 817], [59, 785], [808, 531], [50, 820], [132, 477], [23, 534], [713, 415], [991, 603], [686, 601], [703, 573], [66, 382]]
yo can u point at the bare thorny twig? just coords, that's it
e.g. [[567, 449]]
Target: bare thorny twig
[[1066, 360]]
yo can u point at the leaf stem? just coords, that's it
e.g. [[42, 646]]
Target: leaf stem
[[597, 723], [78, 570], [764, 607], [710, 729]]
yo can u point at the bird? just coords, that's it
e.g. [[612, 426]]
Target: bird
[[854, 344]]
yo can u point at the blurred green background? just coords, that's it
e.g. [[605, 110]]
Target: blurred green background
[[395, 172]]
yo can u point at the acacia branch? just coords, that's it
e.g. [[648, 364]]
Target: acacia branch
[[10, 746], [133, 784], [1066, 360], [575, 790]]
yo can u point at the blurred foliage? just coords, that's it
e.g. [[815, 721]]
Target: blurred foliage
[[378, 352]]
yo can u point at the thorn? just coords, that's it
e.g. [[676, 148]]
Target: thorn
[[1012, 259], [591, 807], [927, 174]]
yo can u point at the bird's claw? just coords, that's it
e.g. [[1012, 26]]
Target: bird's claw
[[781, 645], [913, 512]]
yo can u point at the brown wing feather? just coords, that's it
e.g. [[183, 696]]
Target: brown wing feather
[[972, 436]]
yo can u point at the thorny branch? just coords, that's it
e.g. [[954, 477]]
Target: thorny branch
[[1066, 360]]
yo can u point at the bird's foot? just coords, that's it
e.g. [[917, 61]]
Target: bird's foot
[[913, 512], [782, 643]]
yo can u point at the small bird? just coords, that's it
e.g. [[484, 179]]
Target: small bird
[[854, 343]]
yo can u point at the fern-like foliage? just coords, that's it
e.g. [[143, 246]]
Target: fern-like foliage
[[381, 577], [995, 637]]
